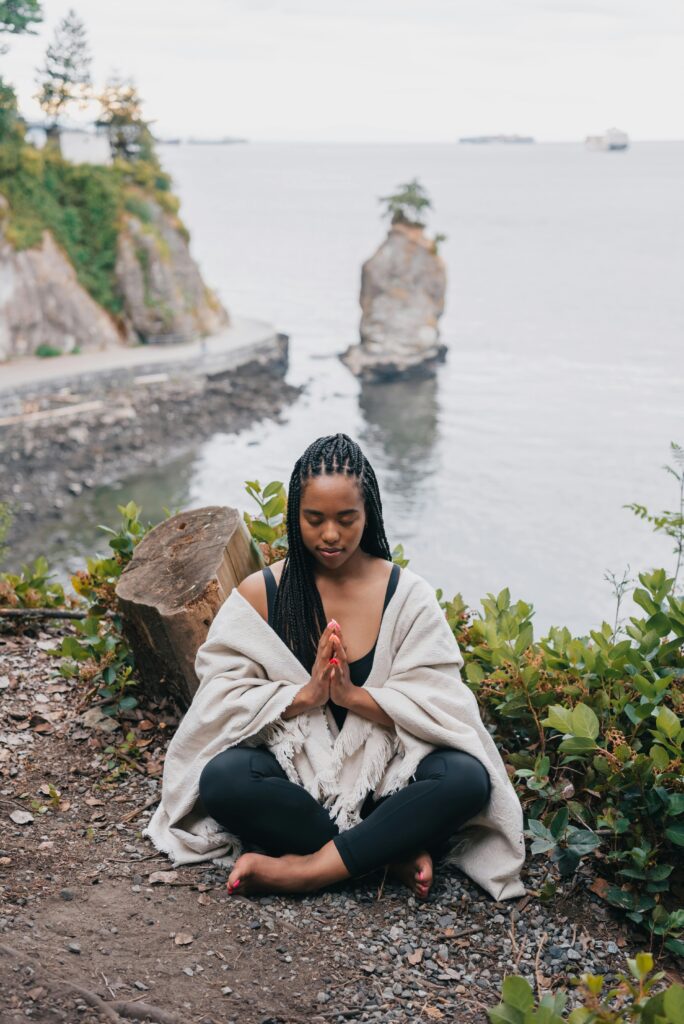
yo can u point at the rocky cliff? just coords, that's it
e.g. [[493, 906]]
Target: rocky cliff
[[402, 298], [42, 303], [164, 296], [44, 306]]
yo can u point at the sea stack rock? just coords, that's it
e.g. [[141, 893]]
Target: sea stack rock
[[402, 298]]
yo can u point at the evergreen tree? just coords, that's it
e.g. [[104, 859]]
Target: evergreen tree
[[17, 16], [129, 134], [65, 76], [407, 205]]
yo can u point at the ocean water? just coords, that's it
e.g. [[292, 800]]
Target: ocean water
[[563, 384]]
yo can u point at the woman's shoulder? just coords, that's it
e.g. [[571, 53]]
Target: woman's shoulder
[[253, 589]]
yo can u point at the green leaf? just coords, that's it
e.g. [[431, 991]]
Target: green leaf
[[675, 833], [577, 745], [583, 842], [516, 992], [668, 722], [620, 898], [559, 822], [659, 756], [262, 531], [675, 803], [660, 624], [474, 672], [559, 718], [274, 506], [127, 703], [272, 488], [584, 722], [643, 598], [503, 1014]]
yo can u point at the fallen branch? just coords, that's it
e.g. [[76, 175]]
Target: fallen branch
[[138, 810], [112, 1010]]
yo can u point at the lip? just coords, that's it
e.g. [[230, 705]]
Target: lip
[[329, 554]]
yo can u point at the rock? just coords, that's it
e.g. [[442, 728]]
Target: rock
[[180, 575], [42, 302], [164, 296], [402, 298], [21, 817], [95, 718], [74, 947]]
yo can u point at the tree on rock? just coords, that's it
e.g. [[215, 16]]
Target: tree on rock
[[65, 77], [129, 134], [407, 205]]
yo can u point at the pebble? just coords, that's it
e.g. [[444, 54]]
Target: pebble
[[74, 947]]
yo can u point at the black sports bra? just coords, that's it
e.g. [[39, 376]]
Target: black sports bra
[[359, 670]]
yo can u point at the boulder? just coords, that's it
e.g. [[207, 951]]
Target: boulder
[[170, 591], [42, 302], [402, 298], [164, 296]]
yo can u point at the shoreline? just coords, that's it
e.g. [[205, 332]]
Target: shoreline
[[102, 428]]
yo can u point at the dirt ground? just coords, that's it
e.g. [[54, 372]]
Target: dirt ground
[[88, 933]]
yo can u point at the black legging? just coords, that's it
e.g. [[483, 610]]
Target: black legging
[[246, 791]]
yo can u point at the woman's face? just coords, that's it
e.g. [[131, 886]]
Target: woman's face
[[332, 515]]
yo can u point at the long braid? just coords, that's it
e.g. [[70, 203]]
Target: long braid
[[299, 617]]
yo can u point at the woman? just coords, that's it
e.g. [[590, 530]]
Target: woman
[[288, 747]]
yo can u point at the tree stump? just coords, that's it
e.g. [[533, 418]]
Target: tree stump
[[178, 578]]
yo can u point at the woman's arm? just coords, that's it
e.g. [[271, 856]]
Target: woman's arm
[[361, 703]]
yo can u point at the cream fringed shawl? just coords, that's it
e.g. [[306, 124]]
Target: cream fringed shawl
[[248, 677]]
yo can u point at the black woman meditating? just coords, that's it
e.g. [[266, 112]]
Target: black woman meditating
[[331, 733]]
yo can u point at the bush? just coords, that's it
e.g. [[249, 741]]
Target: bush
[[631, 1001], [82, 205]]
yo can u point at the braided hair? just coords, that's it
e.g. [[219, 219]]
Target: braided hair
[[299, 616]]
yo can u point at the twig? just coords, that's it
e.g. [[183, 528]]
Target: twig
[[108, 985], [381, 887], [537, 972], [522, 950], [134, 814], [40, 613]]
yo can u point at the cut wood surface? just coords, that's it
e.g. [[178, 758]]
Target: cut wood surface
[[180, 575]]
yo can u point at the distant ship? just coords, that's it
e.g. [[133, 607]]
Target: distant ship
[[611, 139], [496, 138]]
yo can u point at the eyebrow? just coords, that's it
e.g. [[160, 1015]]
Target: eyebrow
[[317, 512]]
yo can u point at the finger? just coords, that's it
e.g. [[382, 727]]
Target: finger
[[339, 649]]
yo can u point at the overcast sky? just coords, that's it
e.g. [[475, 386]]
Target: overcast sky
[[384, 70]]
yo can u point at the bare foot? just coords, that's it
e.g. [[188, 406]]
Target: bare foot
[[255, 872], [416, 873]]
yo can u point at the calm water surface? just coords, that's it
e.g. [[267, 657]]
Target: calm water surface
[[563, 384]]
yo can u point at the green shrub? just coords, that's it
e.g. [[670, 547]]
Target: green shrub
[[82, 205], [99, 655], [47, 351], [631, 1001]]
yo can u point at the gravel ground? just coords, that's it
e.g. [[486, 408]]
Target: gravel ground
[[88, 932]]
